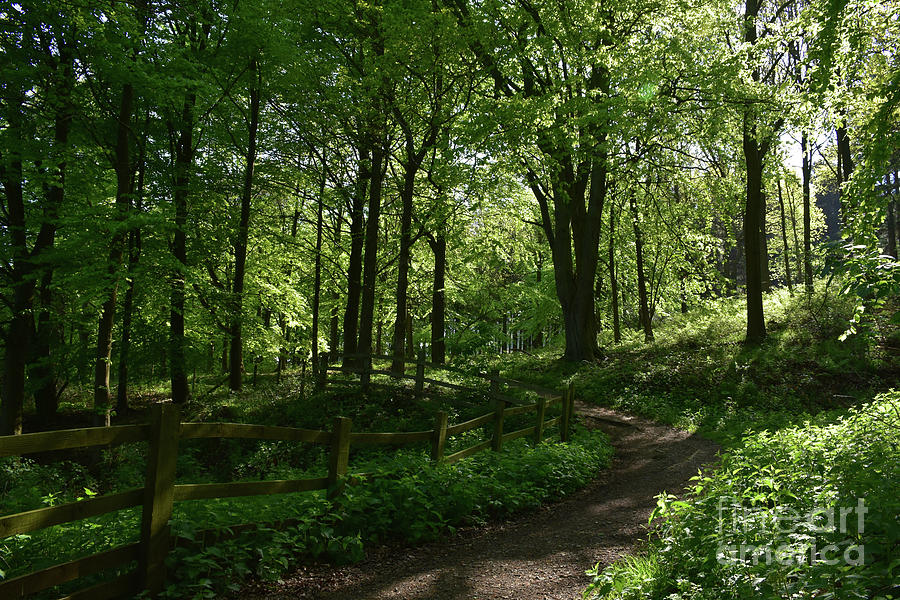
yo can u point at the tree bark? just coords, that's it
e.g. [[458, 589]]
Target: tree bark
[[797, 254], [124, 189], [236, 364], [644, 308], [184, 160], [134, 252], [43, 370], [891, 215], [539, 273], [764, 244], [807, 234], [26, 266], [613, 281], [754, 153], [438, 299], [134, 256], [756, 324], [784, 240], [575, 224], [317, 279], [334, 333], [410, 351], [370, 265], [406, 196], [354, 268], [843, 146]]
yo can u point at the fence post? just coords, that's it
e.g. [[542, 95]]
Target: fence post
[[339, 455], [159, 495], [420, 372], [568, 402], [493, 375], [497, 440], [439, 438], [539, 424]]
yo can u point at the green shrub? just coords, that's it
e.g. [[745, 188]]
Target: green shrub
[[408, 499], [776, 494]]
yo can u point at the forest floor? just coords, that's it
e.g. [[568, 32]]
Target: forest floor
[[538, 555]]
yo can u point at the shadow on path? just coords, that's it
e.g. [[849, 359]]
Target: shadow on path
[[540, 555]]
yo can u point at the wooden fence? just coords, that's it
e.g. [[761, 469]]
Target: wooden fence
[[366, 370], [160, 491]]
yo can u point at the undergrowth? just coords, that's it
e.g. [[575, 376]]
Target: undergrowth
[[802, 512], [700, 376], [406, 499]]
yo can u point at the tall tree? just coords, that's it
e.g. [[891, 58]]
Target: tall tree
[[758, 135], [124, 171], [45, 49], [236, 365]]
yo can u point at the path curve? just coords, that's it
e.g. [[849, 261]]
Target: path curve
[[538, 555]]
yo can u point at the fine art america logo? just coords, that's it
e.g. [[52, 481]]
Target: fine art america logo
[[802, 534]]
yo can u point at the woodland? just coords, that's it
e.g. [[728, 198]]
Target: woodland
[[681, 209]]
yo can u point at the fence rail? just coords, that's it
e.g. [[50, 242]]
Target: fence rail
[[365, 372], [160, 491]]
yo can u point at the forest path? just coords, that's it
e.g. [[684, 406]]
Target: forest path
[[537, 555]]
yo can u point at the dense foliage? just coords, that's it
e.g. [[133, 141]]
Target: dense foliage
[[801, 512], [694, 203], [405, 499], [210, 187]]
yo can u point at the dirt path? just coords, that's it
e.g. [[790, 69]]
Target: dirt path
[[541, 555]]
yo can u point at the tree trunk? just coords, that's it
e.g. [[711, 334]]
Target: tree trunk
[[134, 252], [575, 224], [124, 189], [613, 281], [438, 300], [26, 267], [379, 337], [225, 342], [334, 333], [236, 366], [334, 328], [370, 266], [317, 279], [539, 337], [844, 170], [184, 160], [807, 235], [787, 259], [756, 324], [410, 351], [797, 254], [891, 216], [134, 256], [843, 146], [754, 152], [644, 309], [18, 333], [764, 244], [406, 196], [354, 268], [43, 370]]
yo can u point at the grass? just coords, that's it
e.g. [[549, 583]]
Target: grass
[[698, 374]]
